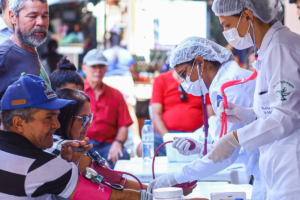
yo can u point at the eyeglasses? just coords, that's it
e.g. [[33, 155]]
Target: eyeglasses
[[183, 96], [181, 73], [85, 119]]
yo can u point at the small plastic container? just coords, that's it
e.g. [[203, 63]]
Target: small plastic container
[[171, 193]]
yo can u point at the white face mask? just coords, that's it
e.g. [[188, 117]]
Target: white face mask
[[233, 38], [197, 88]]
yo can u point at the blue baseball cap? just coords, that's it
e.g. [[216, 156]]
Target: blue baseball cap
[[292, 1], [31, 91]]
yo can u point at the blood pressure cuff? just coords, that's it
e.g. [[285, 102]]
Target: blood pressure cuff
[[86, 189], [110, 176]]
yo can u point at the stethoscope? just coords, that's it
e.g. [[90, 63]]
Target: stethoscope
[[236, 82]]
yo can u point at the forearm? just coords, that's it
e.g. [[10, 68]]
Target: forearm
[[122, 134], [125, 194], [210, 111], [202, 168], [84, 162], [132, 185], [264, 131], [134, 127], [159, 124]]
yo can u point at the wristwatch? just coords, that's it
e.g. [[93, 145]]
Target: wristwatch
[[116, 140]]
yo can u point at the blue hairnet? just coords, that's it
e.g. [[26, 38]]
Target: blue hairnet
[[191, 47], [265, 10]]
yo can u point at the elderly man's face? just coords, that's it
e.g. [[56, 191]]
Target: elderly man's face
[[32, 23], [95, 73], [40, 130]]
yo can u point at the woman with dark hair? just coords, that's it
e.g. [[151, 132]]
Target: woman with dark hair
[[74, 122], [66, 76]]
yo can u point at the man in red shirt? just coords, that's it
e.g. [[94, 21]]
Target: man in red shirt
[[109, 129], [173, 110]]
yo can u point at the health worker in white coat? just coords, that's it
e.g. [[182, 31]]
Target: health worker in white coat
[[202, 64], [276, 131]]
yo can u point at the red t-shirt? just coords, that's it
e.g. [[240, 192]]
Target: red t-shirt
[[110, 113], [177, 115]]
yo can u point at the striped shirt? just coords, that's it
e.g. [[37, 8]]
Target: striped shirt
[[27, 172], [58, 141]]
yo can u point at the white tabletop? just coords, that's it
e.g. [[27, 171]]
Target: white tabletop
[[234, 174], [204, 189]]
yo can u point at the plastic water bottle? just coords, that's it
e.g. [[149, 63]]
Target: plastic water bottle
[[148, 142]]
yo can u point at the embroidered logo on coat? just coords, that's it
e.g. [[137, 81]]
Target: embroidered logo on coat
[[283, 89], [283, 93]]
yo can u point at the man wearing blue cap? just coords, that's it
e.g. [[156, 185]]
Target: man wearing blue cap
[[29, 110], [297, 2]]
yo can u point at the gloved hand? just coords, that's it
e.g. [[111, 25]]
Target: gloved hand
[[183, 145], [236, 113], [163, 181], [223, 148], [145, 195]]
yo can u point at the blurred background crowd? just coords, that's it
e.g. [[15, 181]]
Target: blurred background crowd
[[137, 37]]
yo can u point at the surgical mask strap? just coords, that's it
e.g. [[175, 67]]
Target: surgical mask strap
[[200, 77], [239, 21], [254, 44], [192, 68]]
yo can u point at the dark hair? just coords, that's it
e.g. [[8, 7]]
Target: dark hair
[[3, 5], [65, 74], [68, 112], [52, 46], [25, 113]]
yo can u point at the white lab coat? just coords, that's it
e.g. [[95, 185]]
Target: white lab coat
[[277, 104], [243, 96]]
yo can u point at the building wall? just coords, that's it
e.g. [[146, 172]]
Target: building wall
[[291, 18]]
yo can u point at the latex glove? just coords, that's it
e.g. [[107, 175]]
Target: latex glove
[[236, 113], [223, 148], [163, 181], [145, 195], [183, 145]]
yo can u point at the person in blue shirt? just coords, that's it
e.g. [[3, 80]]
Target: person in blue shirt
[[119, 76], [5, 25]]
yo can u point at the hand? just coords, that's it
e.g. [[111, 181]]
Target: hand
[[223, 148], [236, 113], [115, 152], [70, 155], [183, 145], [163, 181]]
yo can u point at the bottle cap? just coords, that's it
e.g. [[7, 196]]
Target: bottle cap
[[170, 192], [147, 122]]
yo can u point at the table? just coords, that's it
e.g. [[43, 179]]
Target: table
[[72, 52], [204, 189], [234, 174]]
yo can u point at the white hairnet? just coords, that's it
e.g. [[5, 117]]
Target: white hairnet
[[265, 10], [191, 47]]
